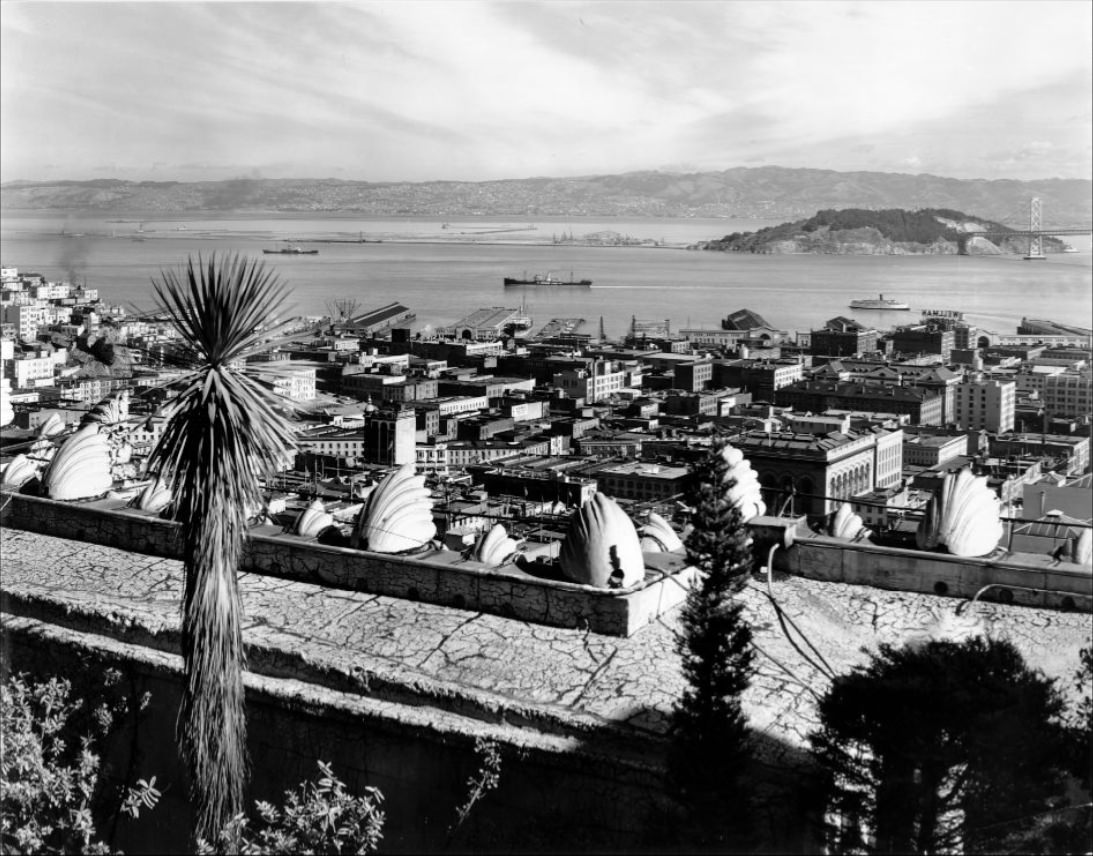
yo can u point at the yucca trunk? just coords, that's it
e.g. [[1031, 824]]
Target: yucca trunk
[[211, 728], [223, 433]]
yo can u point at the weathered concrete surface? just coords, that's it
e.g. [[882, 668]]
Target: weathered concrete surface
[[440, 577], [563, 680]]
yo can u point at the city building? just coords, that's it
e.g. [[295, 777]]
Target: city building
[[984, 405], [930, 450], [809, 474], [842, 337], [924, 406], [638, 480], [601, 380], [1069, 394]]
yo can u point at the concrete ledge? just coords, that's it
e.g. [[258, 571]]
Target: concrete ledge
[[419, 755], [442, 577], [1024, 579]]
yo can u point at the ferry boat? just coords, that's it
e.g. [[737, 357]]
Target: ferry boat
[[548, 279], [879, 303]]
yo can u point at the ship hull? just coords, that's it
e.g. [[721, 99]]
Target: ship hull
[[543, 281]]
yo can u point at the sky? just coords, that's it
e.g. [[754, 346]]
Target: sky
[[420, 90]]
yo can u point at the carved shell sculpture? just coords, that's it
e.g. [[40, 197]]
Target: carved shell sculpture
[[313, 519], [495, 547], [81, 467], [963, 515], [43, 449], [657, 536], [155, 497], [7, 412], [847, 525], [1081, 548], [52, 426], [110, 411], [601, 547], [746, 494], [398, 515], [19, 471]]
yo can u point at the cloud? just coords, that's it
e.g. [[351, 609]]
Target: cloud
[[454, 89]]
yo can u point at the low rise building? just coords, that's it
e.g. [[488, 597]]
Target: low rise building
[[638, 480], [1069, 394], [807, 474]]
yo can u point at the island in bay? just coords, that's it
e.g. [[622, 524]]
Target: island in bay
[[894, 231]]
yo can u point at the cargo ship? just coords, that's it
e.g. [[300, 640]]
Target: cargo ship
[[548, 279], [291, 251], [879, 303]]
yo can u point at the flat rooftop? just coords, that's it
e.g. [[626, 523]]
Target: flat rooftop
[[490, 316]]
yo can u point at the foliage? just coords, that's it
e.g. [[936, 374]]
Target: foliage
[[50, 772], [939, 747], [223, 433], [319, 817], [710, 746], [485, 779], [47, 782], [1081, 721]]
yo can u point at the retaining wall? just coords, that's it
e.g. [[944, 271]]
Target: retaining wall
[[1026, 579], [442, 577]]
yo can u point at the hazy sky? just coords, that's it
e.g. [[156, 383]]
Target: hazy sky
[[387, 91]]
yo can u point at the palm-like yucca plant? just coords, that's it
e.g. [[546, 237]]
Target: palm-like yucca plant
[[223, 433]]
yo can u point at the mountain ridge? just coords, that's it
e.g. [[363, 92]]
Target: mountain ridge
[[767, 192]]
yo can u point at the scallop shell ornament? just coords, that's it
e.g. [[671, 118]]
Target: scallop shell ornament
[[19, 471], [398, 515], [313, 519], [52, 426], [847, 525], [1081, 548], [746, 494], [81, 467], [494, 547], [657, 536], [7, 412], [110, 411], [155, 497], [601, 547], [963, 515]]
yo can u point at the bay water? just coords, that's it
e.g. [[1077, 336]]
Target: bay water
[[443, 270]]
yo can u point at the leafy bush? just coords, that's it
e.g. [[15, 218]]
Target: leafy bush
[[48, 779], [320, 817]]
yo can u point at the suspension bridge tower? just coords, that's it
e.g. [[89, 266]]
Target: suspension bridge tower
[[1035, 236]]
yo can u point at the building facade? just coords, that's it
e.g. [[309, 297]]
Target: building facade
[[984, 405]]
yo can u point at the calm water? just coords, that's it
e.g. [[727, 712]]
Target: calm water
[[442, 282]]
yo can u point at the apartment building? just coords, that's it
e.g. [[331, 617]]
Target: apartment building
[[1069, 394], [984, 405]]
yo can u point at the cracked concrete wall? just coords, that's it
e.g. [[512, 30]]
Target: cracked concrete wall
[[444, 578], [1021, 578], [554, 795]]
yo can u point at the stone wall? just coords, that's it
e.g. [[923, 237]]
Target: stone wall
[[1021, 578], [442, 577], [555, 792]]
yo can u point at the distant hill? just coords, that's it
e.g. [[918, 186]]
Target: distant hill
[[894, 231], [770, 192]]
